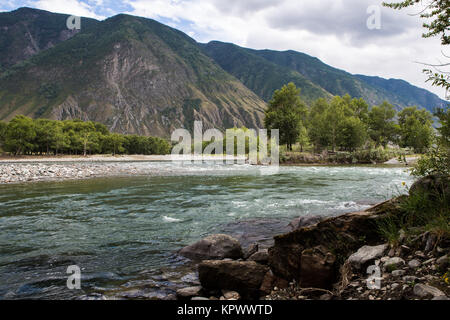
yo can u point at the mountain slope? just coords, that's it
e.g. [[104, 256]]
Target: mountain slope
[[26, 32], [133, 74], [332, 80], [259, 74]]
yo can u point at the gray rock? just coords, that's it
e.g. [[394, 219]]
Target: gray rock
[[188, 293], [393, 263], [398, 273], [414, 264], [214, 247], [260, 257], [409, 278], [424, 291], [366, 255], [443, 261]]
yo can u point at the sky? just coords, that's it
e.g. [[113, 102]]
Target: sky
[[358, 36]]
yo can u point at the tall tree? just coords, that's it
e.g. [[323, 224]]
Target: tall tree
[[286, 112], [20, 134], [416, 129], [382, 127]]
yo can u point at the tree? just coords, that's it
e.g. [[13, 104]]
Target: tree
[[382, 128], [416, 129], [114, 143], [303, 139], [437, 16], [20, 134], [286, 112], [353, 133]]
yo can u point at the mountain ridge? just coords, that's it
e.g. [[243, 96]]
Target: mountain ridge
[[137, 75]]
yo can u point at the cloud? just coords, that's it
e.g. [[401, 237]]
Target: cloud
[[335, 31], [72, 7]]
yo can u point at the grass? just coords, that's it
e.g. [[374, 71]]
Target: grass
[[419, 212]]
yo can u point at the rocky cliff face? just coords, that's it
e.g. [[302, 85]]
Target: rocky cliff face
[[26, 32], [133, 74]]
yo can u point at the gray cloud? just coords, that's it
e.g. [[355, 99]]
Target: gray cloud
[[340, 18]]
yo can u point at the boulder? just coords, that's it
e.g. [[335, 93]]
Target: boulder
[[214, 247], [261, 256], [244, 277], [393, 264], [342, 235], [317, 268], [188, 293], [367, 255], [304, 221], [443, 262], [426, 291]]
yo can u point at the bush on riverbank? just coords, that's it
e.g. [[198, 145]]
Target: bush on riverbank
[[25, 136], [370, 156]]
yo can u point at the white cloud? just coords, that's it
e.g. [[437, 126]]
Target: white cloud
[[72, 7], [333, 30]]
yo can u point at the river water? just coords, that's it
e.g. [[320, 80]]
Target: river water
[[123, 232]]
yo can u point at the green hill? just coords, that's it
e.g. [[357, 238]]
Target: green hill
[[320, 75], [133, 74]]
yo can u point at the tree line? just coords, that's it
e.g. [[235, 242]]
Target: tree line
[[346, 124], [25, 136]]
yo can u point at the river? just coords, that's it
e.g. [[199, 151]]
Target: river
[[123, 232]]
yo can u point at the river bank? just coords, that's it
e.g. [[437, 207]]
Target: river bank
[[339, 258], [35, 169]]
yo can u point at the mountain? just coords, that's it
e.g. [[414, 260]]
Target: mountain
[[318, 74], [26, 32], [134, 75], [260, 75], [137, 75]]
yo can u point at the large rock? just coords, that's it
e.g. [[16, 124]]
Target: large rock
[[317, 268], [426, 291], [304, 221], [214, 247], [244, 277], [341, 235], [434, 185], [366, 255], [261, 256]]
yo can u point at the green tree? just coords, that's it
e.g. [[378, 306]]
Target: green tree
[[20, 135], [286, 112], [114, 143], [353, 133], [416, 129], [382, 127]]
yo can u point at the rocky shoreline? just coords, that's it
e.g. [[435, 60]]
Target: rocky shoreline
[[339, 258]]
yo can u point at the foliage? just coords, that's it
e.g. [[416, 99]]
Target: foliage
[[286, 112], [382, 127], [416, 129], [22, 135]]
